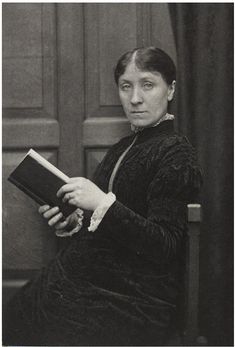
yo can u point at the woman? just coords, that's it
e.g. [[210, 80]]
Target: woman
[[118, 282]]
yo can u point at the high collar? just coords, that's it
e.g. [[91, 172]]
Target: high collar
[[165, 127]]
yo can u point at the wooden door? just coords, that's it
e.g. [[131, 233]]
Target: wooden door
[[109, 31], [30, 119], [59, 97]]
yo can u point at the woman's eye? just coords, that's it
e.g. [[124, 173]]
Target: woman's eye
[[148, 85], [125, 86]]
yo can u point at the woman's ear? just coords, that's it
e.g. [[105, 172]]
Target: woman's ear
[[171, 90]]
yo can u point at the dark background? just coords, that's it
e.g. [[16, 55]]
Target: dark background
[[204, 41]]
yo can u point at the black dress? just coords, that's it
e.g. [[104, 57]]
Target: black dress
[[119, 285]]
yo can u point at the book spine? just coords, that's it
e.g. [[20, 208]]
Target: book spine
[[49, 166], [24, 189]]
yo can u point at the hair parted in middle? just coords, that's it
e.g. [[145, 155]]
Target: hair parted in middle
[[147, 59]]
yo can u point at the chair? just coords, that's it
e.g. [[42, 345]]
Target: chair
[[188, 336]]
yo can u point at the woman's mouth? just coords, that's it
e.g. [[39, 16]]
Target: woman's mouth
[[137, 112]]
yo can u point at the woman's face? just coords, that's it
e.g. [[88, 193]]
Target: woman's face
[[144, 95]]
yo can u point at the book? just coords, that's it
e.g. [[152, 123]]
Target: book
[[41, 180]]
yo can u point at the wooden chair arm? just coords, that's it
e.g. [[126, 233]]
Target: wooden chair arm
[[194, 213], [190, 334]]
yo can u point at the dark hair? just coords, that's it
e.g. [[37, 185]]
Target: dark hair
[[147, 59]]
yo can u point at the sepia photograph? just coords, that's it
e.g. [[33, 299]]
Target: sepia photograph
[[117, 174]]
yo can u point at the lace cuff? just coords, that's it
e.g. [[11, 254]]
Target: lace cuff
[[76, 218], [100, 211]]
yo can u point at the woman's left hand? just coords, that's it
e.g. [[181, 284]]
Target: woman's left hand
[[82, 193]]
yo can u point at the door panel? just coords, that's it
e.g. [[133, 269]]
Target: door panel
[[105, 25], [30, 132], [29, 60]]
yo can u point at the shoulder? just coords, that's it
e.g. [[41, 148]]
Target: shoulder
[[174, 148], [176, 167]]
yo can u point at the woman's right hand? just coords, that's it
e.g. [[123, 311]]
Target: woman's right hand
[[53, 216], [64, 227]]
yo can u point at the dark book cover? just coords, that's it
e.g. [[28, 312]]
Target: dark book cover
[[41, 180]]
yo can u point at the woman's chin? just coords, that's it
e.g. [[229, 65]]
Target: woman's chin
[[139, 123]]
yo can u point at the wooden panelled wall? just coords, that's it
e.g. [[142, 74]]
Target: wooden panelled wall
[[59, 97]]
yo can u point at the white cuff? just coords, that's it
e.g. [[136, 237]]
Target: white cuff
[[78, 217], [100, 211]]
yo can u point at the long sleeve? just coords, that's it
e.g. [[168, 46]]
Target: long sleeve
[[159, 233]]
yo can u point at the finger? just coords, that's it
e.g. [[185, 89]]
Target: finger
[[77, 179], [68, 196], [43, 209], [55, 219], [73, 202], [66, 188], [61, 226], [51, 212]]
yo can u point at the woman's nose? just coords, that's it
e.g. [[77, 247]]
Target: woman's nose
[[136, 97]]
